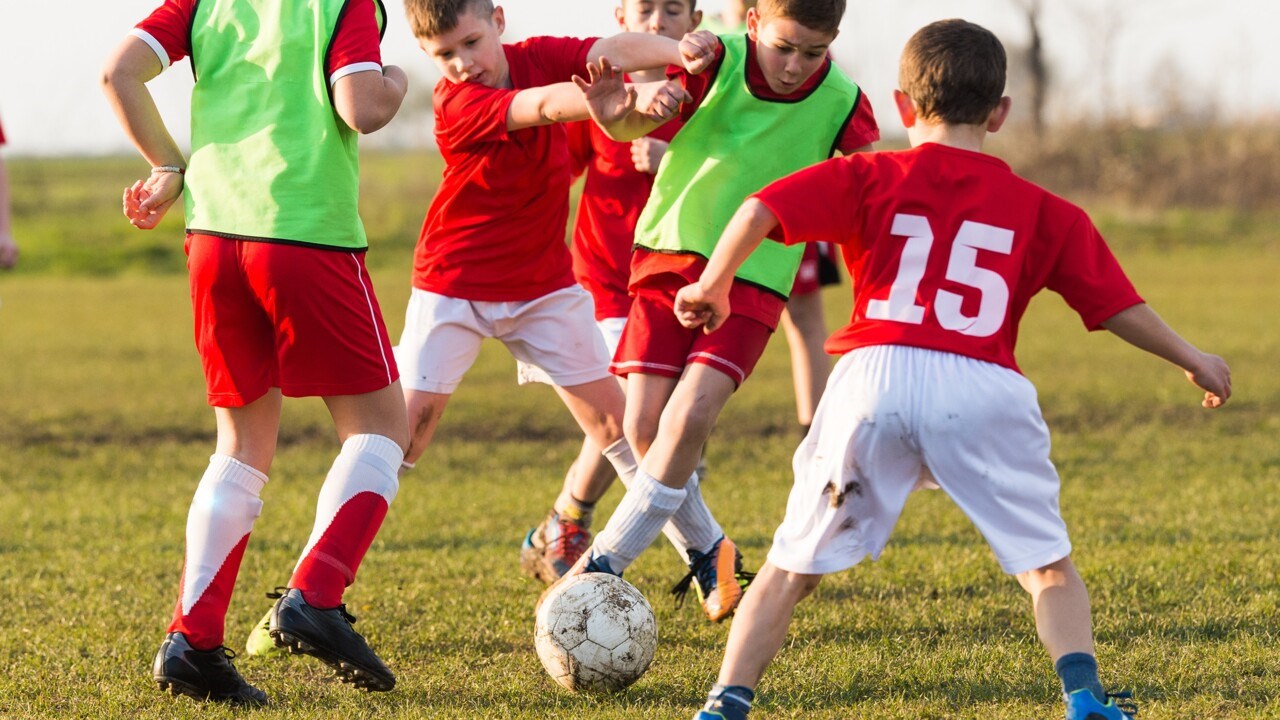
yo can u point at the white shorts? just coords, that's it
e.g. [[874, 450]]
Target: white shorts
[[891, 412], [555, 333], [610, 330]]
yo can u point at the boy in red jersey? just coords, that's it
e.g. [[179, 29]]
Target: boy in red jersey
[[771, 104], [946, 247], [492, 262], [283, 303], [8, 248]]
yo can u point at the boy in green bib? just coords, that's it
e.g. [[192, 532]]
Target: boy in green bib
[[283, 304], [772, 103]]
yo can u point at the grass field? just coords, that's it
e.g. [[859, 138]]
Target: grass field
[[104, 434]]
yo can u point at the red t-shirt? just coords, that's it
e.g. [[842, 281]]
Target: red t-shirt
[[355, 45], [860, 130], [1, 134], [946, 247], [612, 198], [495, 229]]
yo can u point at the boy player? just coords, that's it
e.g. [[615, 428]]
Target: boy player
[[772, 104], [492, 262], [946, 247], [283, 303]]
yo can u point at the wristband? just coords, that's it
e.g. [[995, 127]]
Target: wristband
[[169, 169]]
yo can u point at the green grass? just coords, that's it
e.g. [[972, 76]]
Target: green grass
[[104, 434]]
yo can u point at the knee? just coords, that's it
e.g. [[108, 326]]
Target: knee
[[1055, 574], [640, 430], [691, 422], [800, 586]]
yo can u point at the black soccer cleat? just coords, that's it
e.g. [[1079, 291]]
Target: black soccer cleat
[[328, 636], [180, 669]]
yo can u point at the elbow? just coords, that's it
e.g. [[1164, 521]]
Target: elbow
[[365, 119]]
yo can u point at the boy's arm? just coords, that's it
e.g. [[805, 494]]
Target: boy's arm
[[627, 112], [706, 303], [642, 51], [124, 81], [366, 101], [1141, 327]]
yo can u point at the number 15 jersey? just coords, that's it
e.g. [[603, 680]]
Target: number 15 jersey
[[946, 247]]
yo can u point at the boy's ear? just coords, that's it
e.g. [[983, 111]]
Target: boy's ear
[[906, 108], [620, 15], [499, 19], [753, 24], [696, 17], [1000, 114]]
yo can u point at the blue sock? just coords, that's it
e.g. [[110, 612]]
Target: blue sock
[[1079, 671], [730, 701]]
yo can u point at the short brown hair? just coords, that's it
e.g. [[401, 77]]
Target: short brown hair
[[430, 18], [820, 15], [954, 72]]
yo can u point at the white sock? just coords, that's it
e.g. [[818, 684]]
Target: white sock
[[405, 466], [647, 506], [692, 526], [222, 513]]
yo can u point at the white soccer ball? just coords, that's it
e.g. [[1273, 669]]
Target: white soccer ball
[[595, 633]]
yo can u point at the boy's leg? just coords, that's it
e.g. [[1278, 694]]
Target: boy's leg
[[758, 631], [1064, 623], [310, 617], [424, 411], [221, 517], [658, 490], [806, 331]]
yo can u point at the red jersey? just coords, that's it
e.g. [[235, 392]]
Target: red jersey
[[354, 48], [946, 247], [495, 229], [860, 130], [1, 134], [612, 198]]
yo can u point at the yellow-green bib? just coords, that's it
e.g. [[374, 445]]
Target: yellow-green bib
[[734, 145], [271, 160]]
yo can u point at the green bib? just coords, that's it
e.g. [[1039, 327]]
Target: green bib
[[270, 158], [734, 145]]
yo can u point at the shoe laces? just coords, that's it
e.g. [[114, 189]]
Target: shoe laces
[[281, 590], [571, 541], [1124, 701], [703, 568]]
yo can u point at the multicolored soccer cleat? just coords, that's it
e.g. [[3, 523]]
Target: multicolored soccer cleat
[[1082, 705], [718, 579], [552, 548]]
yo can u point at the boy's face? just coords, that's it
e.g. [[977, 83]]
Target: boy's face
[[472, 51], [668, 18], [789, 53]]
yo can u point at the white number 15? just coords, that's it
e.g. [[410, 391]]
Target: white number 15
[[962, 268]]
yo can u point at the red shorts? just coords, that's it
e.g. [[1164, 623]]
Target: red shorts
[[817, 269], [655, 343], [301, 319]]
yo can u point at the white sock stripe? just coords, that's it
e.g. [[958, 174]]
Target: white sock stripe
[[647, 487], [378, 446]]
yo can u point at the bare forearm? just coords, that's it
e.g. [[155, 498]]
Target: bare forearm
[[561, 102], [631, 127], [748, 228], [1141, 327], [124, 83], [636, 51]]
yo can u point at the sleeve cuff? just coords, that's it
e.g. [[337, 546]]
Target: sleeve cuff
[[155, 46], [352, 69]]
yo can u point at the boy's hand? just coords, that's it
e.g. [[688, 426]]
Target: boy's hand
[[646, 153], [1213, 376], [608, 97], [696, 308], [660, 101], [147, 201], [698, 50]]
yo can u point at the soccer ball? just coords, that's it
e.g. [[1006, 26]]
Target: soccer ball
[[595, 633]]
